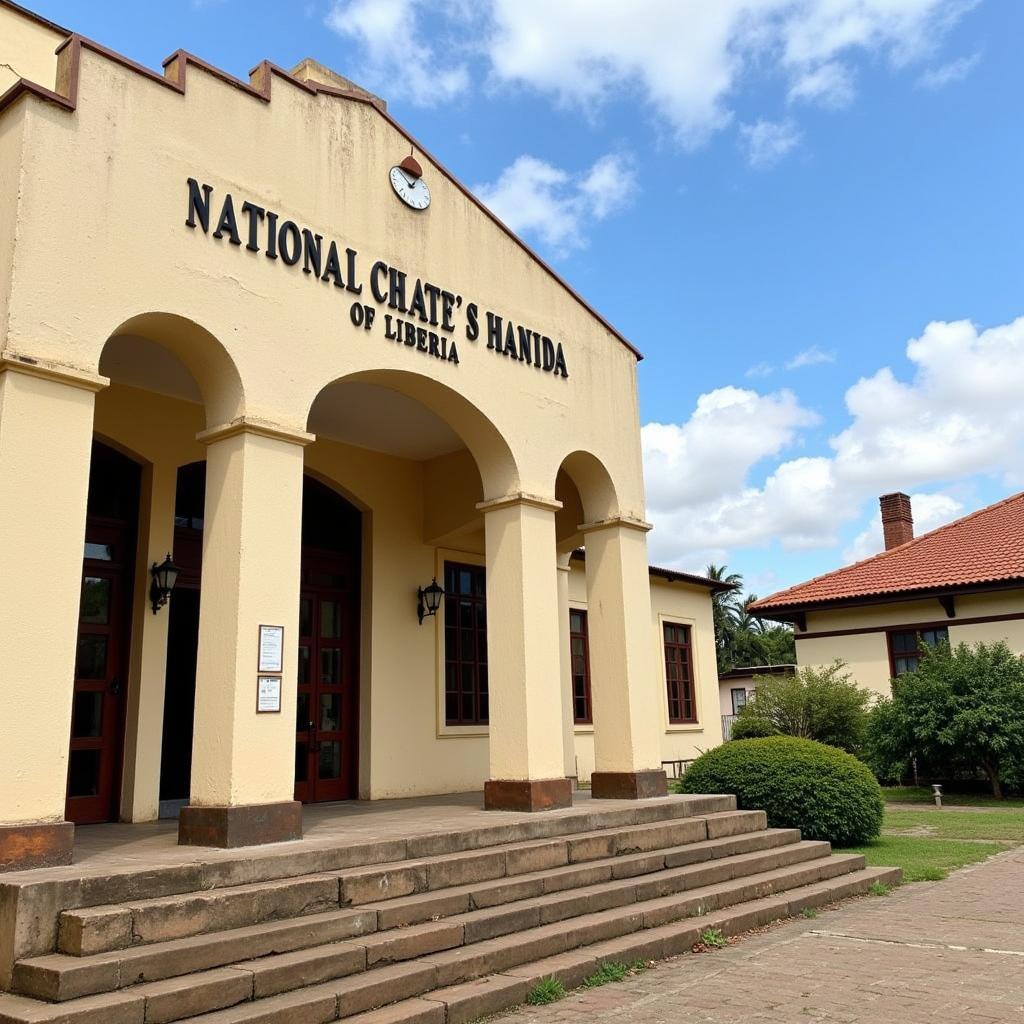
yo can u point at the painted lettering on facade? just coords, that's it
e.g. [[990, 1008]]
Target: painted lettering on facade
[[422, 315]]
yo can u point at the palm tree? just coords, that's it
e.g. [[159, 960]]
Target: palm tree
[[746, 620], [725, 604]]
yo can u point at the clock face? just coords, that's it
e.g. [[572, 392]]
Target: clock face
[[411, 190]]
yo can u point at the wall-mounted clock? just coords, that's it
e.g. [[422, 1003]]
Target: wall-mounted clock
[[407, 181]]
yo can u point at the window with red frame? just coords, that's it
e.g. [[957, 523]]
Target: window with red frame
[[682, 707], [579, 656], [907, 647], [465, 644]]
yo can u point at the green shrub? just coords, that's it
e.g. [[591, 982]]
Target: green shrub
[[823, 791], [750, 727], [815, 703]]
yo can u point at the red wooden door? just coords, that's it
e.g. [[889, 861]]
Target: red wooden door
[[97, 719], [326, 757]]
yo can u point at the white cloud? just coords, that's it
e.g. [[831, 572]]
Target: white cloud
[[767, 142], [828, 85], [929, 511], [730, 431], [384, 29], [537, 198], [812, 356], [955, 71], [759, 370], [685, 59], [958, 415]]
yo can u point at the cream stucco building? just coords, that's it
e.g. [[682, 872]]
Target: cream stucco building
[[256, 327], [960, 583]]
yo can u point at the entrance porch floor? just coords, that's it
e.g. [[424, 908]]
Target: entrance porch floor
[[119, 847]]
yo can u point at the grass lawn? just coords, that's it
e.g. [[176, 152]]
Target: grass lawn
[[1007, 826], [923, 795], [924, 860], [935, 842]]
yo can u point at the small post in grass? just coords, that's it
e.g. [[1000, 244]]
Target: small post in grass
[[937, 793]]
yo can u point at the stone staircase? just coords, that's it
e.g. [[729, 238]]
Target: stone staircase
[[463, 924]]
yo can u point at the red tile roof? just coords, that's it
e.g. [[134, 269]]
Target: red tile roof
[[985, 547]]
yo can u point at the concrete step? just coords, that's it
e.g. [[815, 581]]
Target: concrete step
[[215, 869], [86, 931], [451, 948], [61, 977], [429, 906], [74, 976], [409, 995]]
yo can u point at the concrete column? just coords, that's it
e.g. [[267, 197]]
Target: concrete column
[[46, 422], [624, 679], [140, 790], [243, 762], [524, 664], [568, 716]]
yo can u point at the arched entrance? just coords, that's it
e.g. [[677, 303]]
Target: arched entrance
[[104, 636], [327, 711], [326, 745]]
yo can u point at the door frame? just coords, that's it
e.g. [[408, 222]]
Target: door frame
[[105, 807], [351, 609]]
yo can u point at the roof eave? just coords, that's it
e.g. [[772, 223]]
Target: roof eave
[[789, 612]]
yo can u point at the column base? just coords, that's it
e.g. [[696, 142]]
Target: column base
[[628, 785], [44, 845], [244, 825], [527, 794]]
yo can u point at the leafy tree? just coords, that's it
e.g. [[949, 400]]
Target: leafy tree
[[823, 704], [962, 708]]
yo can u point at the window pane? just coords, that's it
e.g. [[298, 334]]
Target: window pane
[[92, 657], [84, 773], [330, 619], [903, 642], [302, 713], [95, 600], [306, 617], [330, 760], [330, 711], [330, 666], [99, 552], [87, 717], [303, 665]]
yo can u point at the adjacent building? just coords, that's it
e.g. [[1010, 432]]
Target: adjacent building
[[738, 685], [961, 583]]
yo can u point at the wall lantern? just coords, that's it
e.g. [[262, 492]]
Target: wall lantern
[[429, 600], [165, 575]]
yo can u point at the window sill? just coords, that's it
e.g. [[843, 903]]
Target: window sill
[[455, 732]]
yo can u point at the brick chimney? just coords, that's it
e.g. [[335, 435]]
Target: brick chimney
[[897, 519]]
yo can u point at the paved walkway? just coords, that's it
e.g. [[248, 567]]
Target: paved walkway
[[932, 952]]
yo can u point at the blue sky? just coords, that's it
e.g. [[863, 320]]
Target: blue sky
[[770, 198]]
